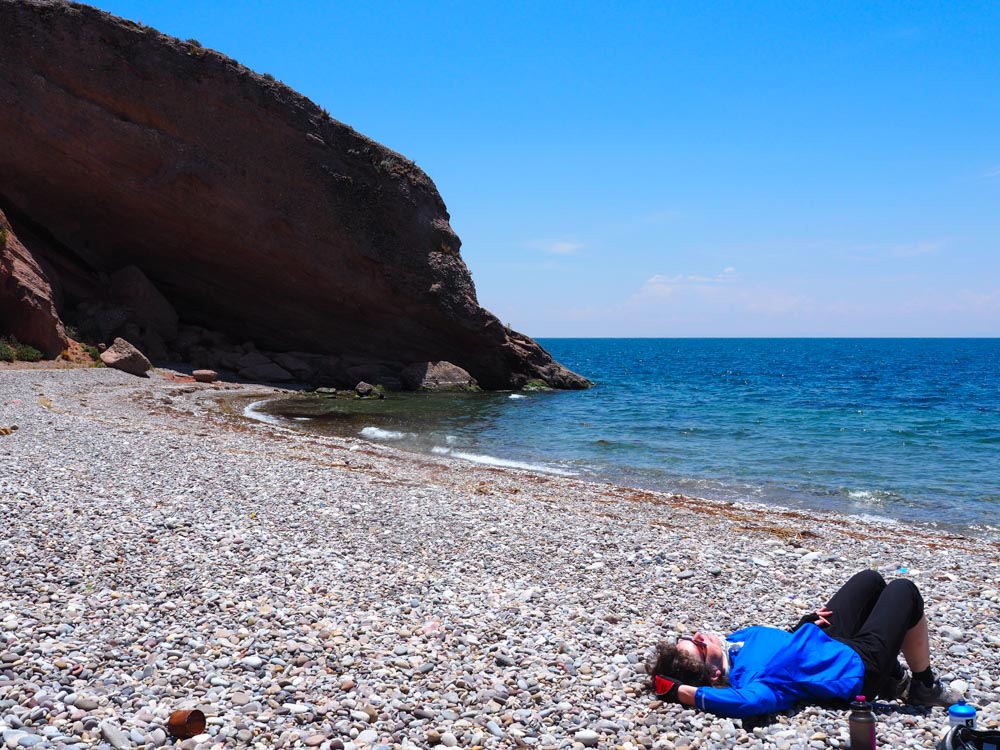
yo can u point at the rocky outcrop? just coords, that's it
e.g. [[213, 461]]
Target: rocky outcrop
[[437, 376], [144, 303], [247, 208], [27, 305]]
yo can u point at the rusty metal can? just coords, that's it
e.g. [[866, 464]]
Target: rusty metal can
[[184, 724]]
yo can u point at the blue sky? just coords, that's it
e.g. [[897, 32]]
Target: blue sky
[[673, 169]]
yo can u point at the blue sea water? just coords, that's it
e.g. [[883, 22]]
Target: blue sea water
[[903, 429]]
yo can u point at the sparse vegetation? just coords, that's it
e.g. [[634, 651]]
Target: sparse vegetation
[[81, 330], [3, 238], [94, 352], [267, 77], [28, 353], [194, 42], [11, 349]]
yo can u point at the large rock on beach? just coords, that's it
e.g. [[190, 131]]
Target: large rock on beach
[[437, 376], [121, 355], [248, 209]]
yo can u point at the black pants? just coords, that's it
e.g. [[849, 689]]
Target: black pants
[[872, 618]]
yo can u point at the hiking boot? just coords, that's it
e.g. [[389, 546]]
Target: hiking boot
[[895, 690], [935, 695], [967, 738]]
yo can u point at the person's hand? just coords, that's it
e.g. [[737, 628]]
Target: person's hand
[[823, 616], [667, 688], [820, 618]]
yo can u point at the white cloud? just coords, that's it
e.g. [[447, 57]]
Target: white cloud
[[692, 305], [661, 285], [969, 300], [890, 289], [555, 247]]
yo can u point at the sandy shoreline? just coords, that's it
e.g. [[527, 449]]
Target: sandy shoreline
[[162, 553]]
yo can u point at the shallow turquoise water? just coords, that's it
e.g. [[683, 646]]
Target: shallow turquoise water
[[904, 429]]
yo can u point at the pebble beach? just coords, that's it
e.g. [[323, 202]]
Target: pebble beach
[[159, 551]]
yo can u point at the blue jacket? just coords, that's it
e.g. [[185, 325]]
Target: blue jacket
[[774, 669]]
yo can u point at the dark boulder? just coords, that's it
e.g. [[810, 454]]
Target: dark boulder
[[437, 376]]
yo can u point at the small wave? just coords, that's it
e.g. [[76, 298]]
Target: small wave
[[517, 395], [302, 419], [377, 433], [881, 498], [251, 411], [504, 463]]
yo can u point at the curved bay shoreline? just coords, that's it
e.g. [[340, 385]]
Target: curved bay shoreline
[[159, 552]]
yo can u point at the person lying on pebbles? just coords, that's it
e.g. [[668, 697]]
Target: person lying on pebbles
[[845, 649]]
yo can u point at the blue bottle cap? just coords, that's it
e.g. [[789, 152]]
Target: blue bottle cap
[[962, 710]]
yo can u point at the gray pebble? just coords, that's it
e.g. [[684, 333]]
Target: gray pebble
[[114, 735]]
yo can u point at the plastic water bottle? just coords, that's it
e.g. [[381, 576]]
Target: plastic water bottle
[[861, 723], [962, 714]]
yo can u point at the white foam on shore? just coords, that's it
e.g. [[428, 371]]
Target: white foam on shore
[[861, 495], [250, 412], [878, 520], [504, 463], [377, 433]]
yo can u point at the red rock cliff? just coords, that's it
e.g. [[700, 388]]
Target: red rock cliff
[[247, 206]]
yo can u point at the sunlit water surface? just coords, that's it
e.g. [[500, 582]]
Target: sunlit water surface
[[900, 429]]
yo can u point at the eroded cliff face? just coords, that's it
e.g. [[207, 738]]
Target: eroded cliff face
[[27, 309], [247, 207]]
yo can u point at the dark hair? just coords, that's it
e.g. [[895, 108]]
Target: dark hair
[[666, 661]]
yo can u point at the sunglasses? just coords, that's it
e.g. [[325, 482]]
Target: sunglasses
[[702, 648]]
